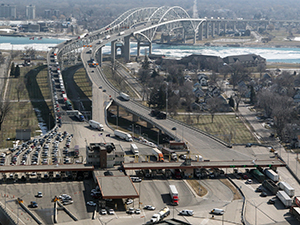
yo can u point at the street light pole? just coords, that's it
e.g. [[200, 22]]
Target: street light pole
[[167, 100]]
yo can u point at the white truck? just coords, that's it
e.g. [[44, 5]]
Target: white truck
[[272, 175], [160, 215], [134, 149], [96, 125], [284, 198], [124, 96], [287, 188], [174, 194], [107, 37], [121, 33], [123, 135]]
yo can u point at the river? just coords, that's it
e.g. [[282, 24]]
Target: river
[[281, 55]]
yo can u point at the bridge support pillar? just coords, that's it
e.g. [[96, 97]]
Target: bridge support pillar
[[149, 125], [127, 48], [234, 26], [138, 51], [135, 118], [113, 51], [200, 32], [118, 111], [150, 48], [99, 56], [218, 28], [213, 24], [225, 28], [207, 30], [184, 36]]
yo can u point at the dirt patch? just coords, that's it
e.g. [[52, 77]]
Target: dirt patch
[[195, 185], [236, 193]]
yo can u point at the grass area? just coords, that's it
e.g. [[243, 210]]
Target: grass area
[[80, 78], [197, 187], [223, 127], [34, 97], [118, 82]]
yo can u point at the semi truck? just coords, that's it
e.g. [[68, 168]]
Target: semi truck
[[160, 215], [287, 188], [257, 175], [134, 149], [96, 125], [271, 186], [295, 211], [284, 198], [158, 154], [174, 194], [124, 96], [170, 153], [272, 175], [123, 135], [296, 201]]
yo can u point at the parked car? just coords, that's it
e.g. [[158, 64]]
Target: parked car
[[186, 212], [111, 212], [39, 195], [149, 207], [129, 201], [103, 212], [137, 211], [91, 203]]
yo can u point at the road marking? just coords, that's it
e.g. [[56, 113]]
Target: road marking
[[205, 221]]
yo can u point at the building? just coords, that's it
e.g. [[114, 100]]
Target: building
[[104, 155], [8, 11], [30, 12], [56, 13], [249, 60], [31, 28], [23, 134], [47, 13]]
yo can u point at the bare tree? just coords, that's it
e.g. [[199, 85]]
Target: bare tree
[[20, 90], [5, 108], [214, 105]]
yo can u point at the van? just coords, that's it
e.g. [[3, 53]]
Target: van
[[134, 149], [96, 125], [217, 211]]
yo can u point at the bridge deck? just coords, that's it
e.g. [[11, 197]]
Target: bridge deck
[[204, 164], [46, 168]]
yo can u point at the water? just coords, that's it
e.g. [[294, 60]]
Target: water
[[282, 55]]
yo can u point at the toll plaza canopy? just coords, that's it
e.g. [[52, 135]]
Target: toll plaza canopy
[[204, 164], [116, 186], [46, 168]]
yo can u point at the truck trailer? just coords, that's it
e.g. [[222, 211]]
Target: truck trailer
[[272, 175], [158, 154], [287, 188], [124, 96], [284, 198], [295, 211], [134, 149], [257, 175], [96, 125], [174, 194], [271, 186], [123, 135]]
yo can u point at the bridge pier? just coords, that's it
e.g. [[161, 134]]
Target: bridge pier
[[200, 32], [127, 48], [113, 51], [234, 26], [213, 29], [218, 27], [207, 30], [150, 48], [99, 56], [225, 27], [138, 51], [149, 125], [135, 118]]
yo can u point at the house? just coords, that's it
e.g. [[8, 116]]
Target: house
[[203, 79], [198, 92], [249, 60]]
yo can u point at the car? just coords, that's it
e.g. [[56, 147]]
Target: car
[[108, 173], [271, 201], [263, 194], [67, 202], [149, 207], [248, 145], [137, 211], [91, 203], [111, 212], [33, 205], [136, 179], [186, 212], [39, 195], [130, 211], [259, 189], [249, 181], [103, 212], [104, 90], [182, 157], [129, 201], [100, 87]]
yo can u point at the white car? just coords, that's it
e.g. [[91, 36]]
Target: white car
[[129, 201], [249, 181], [137, 211], [149, 207], [67, 202], [186, 212], [111, 212], [103, 212], [91, 203], [39, 194]]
